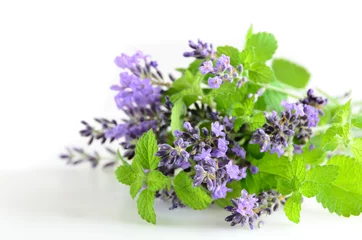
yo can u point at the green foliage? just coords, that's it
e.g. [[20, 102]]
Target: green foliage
[[156, 181], [136, 177], [290, 73], [145, 151], [357, 122], [300, 181], [293, 206], [264, 45], [187, 88], [315, 156], [227, 95], [233, 53], [343, 196], [261, 73], [194, 197], [177, 115], [145, 206], [247, 57], [127, 174], [273, 98], [356, 147]]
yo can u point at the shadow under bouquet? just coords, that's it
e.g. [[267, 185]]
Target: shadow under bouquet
[[237, 129]]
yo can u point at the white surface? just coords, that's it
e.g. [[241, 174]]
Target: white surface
[[56, 66], [68, 203]]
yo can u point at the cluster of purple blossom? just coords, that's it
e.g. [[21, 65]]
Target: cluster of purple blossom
[[248, 209], [294, 124], [209, 151], [137, 97], [201, 50], [223, 71]]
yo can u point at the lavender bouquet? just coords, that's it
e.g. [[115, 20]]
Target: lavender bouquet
[[236, 129]]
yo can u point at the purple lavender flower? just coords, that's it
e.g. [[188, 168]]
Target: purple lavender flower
[[217, 129], [174, 157], [204, 176], [234, 172], [206, 67], [295, 108], [205, 156], [314, 101], [239, 151], [312, 115], [124, 61], [134, 92], [228, 123], [243, 210], [261, 138], [214, 82], [201, 50], [254, 169], [222, 147], [223, 64], [220, 190]]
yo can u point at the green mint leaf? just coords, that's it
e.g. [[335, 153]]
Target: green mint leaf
[[330, 140], [238, 123], [316, 178], [156, 180], [145, 203], [298, 168], [247, 57], [273, 165], [290, 73], [273, 99], [194, 197], [194, 66], [342, 114], [271, 169], [314, 157], [322, 174], [357, 122], [177, 115], [285, 187], [146, 149], [256, 183], [264, 45], [227, 95], [344, 131], [260, 73], [257, 121], [232, 52], [135, 187], [249, 33], [254, 151], [245, 108], [293, 206], [343, 196], [356, 147], [187, 87], [310, 189], [127, 174]]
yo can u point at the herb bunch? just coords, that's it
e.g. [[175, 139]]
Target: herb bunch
[[237, 129]]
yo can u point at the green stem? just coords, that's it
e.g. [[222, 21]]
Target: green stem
[[276, 89]]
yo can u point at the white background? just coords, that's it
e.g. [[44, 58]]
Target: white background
[[56, 66]]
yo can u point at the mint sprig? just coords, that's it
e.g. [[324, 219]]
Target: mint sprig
[[142, 174]]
